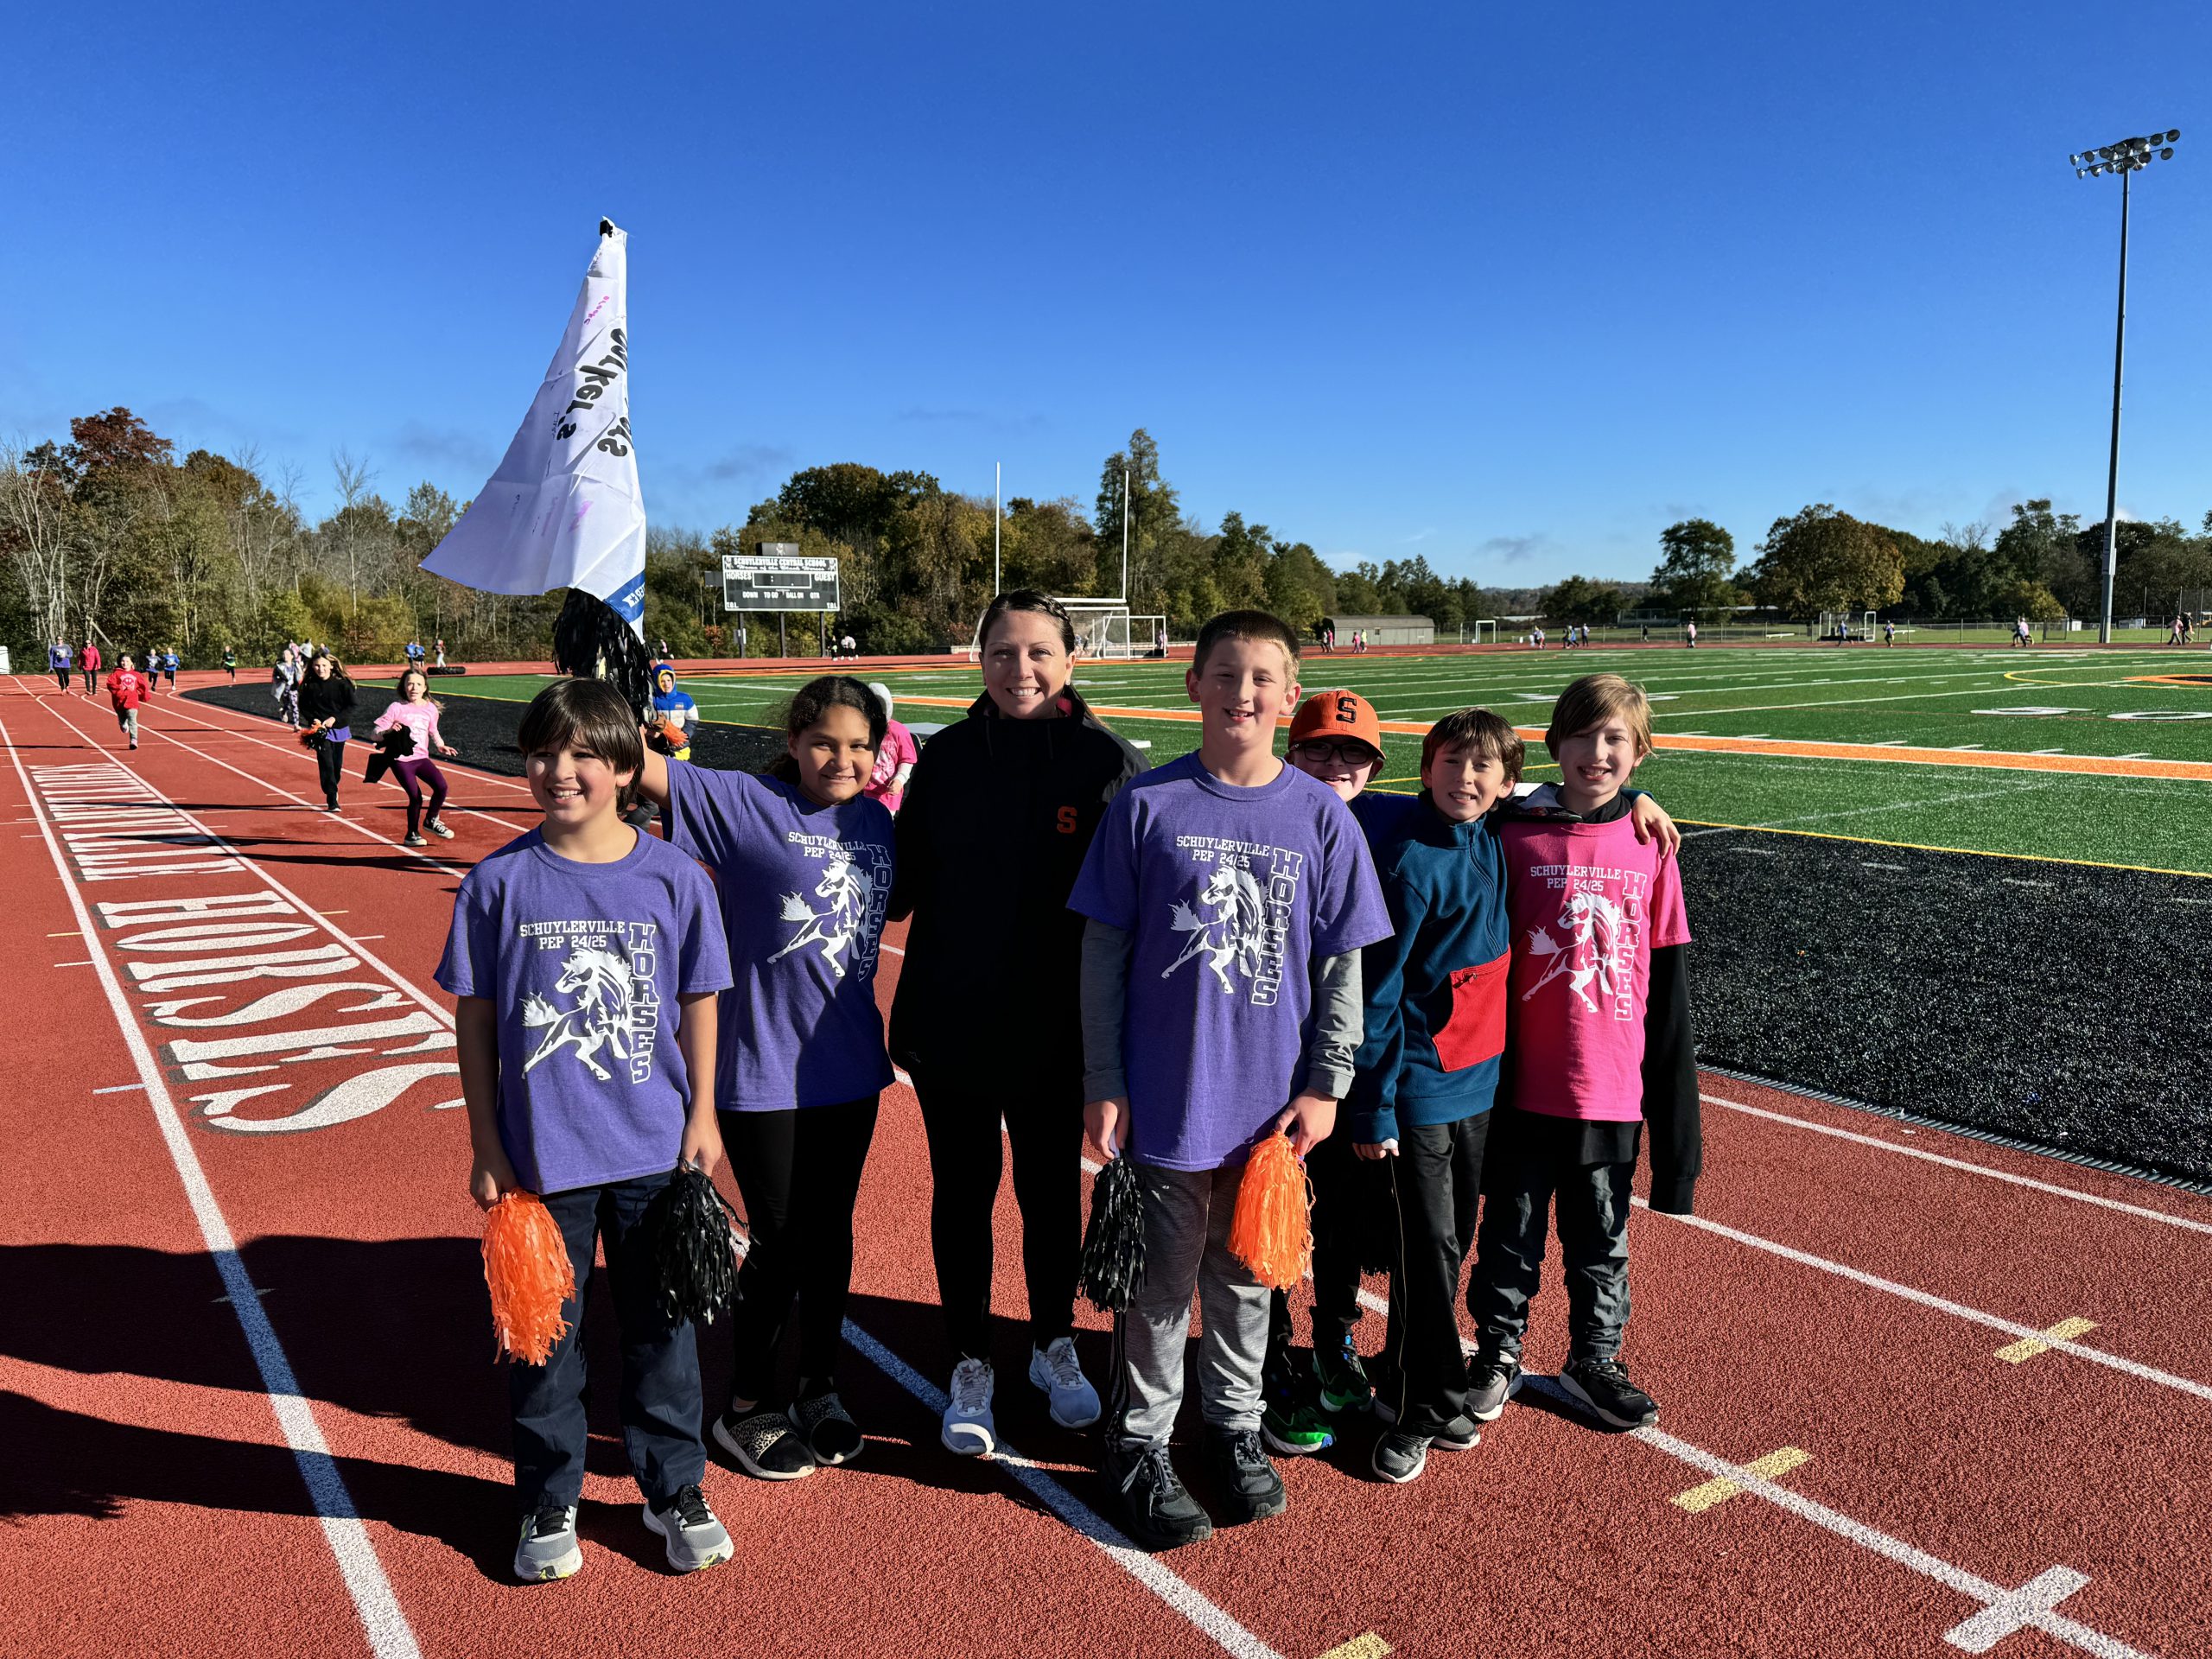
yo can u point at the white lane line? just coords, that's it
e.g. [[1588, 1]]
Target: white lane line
[[1148, 1570], [119, 1089], [1984, 1170], [1941, 1305], [2003, 1610], [390, 1635]]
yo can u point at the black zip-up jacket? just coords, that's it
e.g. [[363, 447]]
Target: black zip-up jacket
[[331, 699], [992, 833]]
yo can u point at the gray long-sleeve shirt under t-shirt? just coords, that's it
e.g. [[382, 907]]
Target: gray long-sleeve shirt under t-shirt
[[1105, 996]]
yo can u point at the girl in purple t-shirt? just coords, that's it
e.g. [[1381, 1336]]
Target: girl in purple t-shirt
[[804, 860]]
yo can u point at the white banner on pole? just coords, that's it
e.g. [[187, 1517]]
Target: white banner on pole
[[563, 509]]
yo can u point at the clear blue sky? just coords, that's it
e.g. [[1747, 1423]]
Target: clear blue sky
[[1514, 291]]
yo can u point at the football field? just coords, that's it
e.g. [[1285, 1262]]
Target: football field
[[2098, 757]]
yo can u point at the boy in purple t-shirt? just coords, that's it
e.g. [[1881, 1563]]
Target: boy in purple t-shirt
[[1598, 995], [586, 959], [1228, 896]]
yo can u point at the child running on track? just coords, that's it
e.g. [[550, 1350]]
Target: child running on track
[[1228, 896], [326, 706], [894, 761], [414, 710], [231, 663], [1602, 1044], [168, 666], [804, 861], [126, 689], [1336, 738], [586, 957]]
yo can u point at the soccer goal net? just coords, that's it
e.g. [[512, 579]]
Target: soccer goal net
[[1104, 630], [1483, 632]]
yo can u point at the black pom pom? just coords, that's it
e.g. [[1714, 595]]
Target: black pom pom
[[695, 1247], [1112, 1243], [590, 642]]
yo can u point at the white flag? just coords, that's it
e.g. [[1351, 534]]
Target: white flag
[[563, 509]]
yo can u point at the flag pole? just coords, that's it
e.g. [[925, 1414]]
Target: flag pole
[[997, 479]]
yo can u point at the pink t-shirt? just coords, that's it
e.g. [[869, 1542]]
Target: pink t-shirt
[[1589, 904], [421, 718], [899, 750]]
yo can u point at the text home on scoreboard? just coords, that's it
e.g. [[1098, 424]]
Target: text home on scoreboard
[[777, 579]]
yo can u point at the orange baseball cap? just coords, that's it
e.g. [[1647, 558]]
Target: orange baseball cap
[[1337, 714]]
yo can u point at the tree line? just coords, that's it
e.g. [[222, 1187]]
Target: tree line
[[109, 535]]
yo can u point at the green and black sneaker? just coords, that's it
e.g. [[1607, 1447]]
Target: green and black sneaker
[[1292, 1427], [1343, 1380]]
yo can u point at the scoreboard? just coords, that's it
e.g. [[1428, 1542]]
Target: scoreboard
[[777, 579]]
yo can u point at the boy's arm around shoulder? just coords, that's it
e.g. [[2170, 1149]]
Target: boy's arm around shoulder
[[1671, 1094]]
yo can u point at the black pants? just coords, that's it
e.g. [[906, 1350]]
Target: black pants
[[329, 764], [799, 1173], [91, 674], [1436, 1180], [659, 1399], [61, 675], [1347, 1193], [966, 1161]]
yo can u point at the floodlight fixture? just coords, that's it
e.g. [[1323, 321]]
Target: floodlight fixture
[[2126, 157]]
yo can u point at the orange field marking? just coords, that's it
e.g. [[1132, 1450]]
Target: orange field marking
[[2087, 764]]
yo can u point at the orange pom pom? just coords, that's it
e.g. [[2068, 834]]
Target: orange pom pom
[[526, 1267], [1271, 1232]]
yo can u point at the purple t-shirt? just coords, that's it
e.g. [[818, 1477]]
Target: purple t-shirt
[[804, 891], [582, 965], [1232, 895]]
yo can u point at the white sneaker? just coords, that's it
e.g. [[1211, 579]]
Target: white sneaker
[[1054, 1369], [969, 1430]]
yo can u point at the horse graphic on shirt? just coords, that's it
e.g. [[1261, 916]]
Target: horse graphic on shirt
[[601, 982], [1595, 926], [1232, 937], [848, 889]]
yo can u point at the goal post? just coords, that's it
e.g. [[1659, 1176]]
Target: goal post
[[1485, 622], [1104, 631]]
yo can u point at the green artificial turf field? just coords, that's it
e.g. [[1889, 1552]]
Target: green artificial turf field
[[2047, 699]]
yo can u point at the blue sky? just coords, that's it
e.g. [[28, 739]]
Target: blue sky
[[1514, 292]]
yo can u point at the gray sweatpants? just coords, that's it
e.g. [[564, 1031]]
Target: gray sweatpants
[[1186, 1217]]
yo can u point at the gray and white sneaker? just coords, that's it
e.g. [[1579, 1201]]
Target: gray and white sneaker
[[1055, 1368], [1492, 1379], [969, 1430], [695, 1539], [547, 1549], [765, 1442], [827, 1429]]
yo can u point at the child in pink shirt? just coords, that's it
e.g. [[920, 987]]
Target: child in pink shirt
[[414, 710], [894, 761], [1598, 997]]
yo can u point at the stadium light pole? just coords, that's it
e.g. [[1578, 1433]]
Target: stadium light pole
[[2127, 157], [997, 484]]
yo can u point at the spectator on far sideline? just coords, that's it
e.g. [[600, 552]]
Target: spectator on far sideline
[[441, 653], [90, 663]]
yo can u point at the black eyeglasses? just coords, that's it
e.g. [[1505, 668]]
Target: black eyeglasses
[[1352, 752]]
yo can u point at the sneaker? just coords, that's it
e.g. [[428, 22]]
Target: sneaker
[[1054, 1369], [765, 1443], [1292, 1428], [1343, 1380], [547, 1549], [1602, 1386], [830, 1433], [1399, 1457], [695, 1539], [969, 1430], [1492, 1379], [437, 829], [410, 839], [1250, 1488], [1462, 1433], [1156, 1510], [1386, 1391]]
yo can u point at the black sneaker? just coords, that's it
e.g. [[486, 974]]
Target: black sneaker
[[1602, 1385], [765, 1443], [1250, 1488], [1343, 1380], [1491, 1379], [1156, 1510], [831, 1433], [1399, 1457], [1462, 1433]]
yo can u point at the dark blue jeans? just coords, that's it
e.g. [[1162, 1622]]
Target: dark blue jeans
[[1526, 1180], [660, 1401]]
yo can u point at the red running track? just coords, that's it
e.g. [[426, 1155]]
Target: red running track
[[296, 1440]]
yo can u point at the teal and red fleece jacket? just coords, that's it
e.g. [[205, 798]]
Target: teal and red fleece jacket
[[1435, 990]]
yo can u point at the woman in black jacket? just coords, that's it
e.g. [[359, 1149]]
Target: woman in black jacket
[[993, 830], [326, 710]]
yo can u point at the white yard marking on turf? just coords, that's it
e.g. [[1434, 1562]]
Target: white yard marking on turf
[[2003, 1610], [1890, 806], [1148, 1570], [1982, 1170], [1940, 1304], [390, 1635]]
